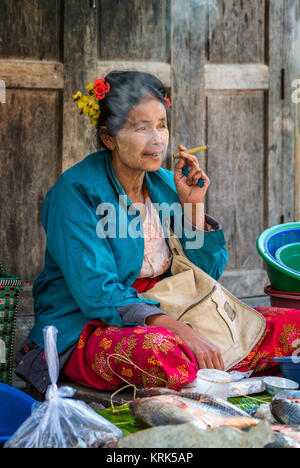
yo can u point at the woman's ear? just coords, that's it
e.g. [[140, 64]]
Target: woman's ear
[[107, 139]]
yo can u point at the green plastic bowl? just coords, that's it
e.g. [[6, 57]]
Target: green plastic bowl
[[281, 277], [289, 255]]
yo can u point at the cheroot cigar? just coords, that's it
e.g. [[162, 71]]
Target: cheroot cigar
[[191, 151]]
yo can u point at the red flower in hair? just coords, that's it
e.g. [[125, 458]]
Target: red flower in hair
[[101, 88], [167, 101]]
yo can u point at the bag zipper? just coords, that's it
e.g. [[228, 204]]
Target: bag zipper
[[197, 302]]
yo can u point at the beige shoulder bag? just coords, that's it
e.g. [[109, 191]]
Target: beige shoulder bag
[[193, 297]]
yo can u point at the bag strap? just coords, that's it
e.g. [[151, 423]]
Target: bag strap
[[174, 244]]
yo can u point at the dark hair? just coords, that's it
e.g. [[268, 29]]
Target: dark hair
[[127, 89]]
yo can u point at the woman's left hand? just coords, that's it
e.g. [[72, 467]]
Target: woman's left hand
[[187, 189]]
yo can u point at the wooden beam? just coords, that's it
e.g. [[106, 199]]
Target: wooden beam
[[296, 64], [297, 163], [290, 57], [236, 77], [217, 76], [32, 74], [188, 48], [160, 69], [245, 282], [274, 110]]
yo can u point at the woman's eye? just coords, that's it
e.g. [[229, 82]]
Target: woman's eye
[[142, 128]]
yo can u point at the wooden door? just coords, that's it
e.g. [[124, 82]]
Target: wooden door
[[227, 65], [231, 89], [31, 67]]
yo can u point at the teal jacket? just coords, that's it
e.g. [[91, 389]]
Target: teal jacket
[[88, 274]]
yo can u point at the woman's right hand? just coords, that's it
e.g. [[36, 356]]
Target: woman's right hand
[[208, 355]]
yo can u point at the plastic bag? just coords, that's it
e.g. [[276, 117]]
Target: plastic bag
[[62, 422]]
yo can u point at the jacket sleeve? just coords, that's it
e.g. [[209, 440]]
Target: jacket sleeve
[[86, 260], [206, 249], [137, 313]]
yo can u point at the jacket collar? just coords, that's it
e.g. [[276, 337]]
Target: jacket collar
[[158, 184], [159, 188]]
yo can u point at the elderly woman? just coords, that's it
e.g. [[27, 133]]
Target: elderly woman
[[92, 277]]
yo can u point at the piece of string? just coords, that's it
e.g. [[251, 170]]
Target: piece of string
[[127, 360]]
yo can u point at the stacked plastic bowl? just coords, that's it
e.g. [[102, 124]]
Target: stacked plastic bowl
[[279, 246]]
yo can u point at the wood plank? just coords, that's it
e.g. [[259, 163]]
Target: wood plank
[[29, 166], [187, 61], [288, 141], [160, 69], [31, 29], [297, 163], [236, 77], [246, 283], [80, 66], [257, 301], [135, 30], [217, 76], [274, 110], [32, 74], [237, 32], [235, 136], [296, 49]]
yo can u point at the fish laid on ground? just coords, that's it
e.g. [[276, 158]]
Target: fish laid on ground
[[172, 409], [285, 407], [191, 435]]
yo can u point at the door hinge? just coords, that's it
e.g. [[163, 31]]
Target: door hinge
[[282, 84]]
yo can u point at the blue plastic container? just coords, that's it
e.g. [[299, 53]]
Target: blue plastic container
[[15, 408], [290, 367], [281, 277], [289, 256]]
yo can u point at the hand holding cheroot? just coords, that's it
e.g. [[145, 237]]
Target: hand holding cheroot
[[187, 186]]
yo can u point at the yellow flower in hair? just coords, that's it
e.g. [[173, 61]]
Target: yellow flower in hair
[[90, 87], [83, 104], [77, 96], [88, 104]]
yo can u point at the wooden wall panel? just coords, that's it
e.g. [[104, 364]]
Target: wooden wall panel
[[134, 29], [80, 68], [31, 29], [237, 31], [235, 135], [29, 166], [188, 77]]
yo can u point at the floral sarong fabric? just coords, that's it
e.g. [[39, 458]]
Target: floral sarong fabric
[[281, 338], [107, 357]]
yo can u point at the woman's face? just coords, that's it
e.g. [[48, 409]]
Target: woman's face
[[142, 142]]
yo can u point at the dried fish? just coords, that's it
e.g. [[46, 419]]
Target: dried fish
[[171, 409], [285, 436]]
